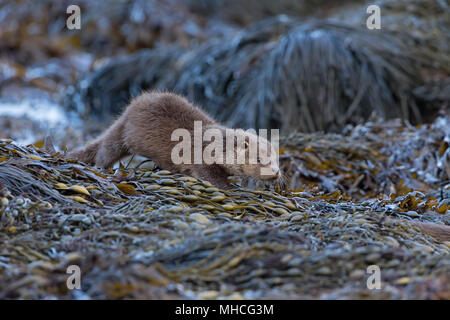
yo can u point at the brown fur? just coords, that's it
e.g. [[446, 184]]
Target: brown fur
[[438, 231], [145, 129]]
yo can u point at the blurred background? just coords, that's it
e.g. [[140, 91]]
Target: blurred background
[[295, 65]]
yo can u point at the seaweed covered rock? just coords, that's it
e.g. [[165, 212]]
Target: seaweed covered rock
[[368, 160], [138, 233]]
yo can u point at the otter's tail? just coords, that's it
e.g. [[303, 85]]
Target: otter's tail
[[438, 231], [86, 154]]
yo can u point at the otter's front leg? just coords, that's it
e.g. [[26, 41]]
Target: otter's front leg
[[109, 153], [214, 174]]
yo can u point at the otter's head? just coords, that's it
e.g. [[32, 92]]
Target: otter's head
[[254, 157]]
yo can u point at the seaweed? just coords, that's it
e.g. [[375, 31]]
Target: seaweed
[[141, 233]]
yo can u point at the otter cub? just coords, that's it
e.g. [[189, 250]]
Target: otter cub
[[146, 128]]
